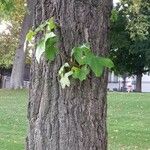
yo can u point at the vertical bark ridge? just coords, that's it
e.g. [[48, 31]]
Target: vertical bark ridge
[[73, 118]]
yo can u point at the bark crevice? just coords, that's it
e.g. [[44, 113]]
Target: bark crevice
[[73, 118]]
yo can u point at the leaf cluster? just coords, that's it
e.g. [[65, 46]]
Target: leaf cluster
[[48, 43], [83, 60]]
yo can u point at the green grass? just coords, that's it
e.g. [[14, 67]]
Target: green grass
[[128, 120], [13, 120]]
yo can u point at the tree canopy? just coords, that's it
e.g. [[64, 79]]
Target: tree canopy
[[130, 37], [12, 13], [130, 46]]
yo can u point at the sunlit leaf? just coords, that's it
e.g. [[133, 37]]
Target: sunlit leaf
[[51, 24], [40, 49], [62, 69], [64, 81], [30, 35], [80, 73], [47, 45]]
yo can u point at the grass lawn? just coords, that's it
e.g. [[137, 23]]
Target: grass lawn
[[128, 120], [13, 120]]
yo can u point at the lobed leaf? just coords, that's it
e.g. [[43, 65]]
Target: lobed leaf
[[96, 65], [81, 53], [80, 73]]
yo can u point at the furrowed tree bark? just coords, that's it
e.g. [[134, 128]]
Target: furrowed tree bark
[[17, 75], [73, 118]]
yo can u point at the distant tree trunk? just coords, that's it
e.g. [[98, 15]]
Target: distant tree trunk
[[17, 74], [124, 82], [138, 83], [0, 78], [73, 118]]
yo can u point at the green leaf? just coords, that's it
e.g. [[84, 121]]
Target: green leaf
[[47, 45], [96, 65], [51, 24], [81, 53], [106, 62], [49, 35], [64, 81], [40, 49], [30, 35], [80, 73], [51, 48]]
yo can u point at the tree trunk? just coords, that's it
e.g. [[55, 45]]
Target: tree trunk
[[124, 82], [139, 83], [1, 75], [73, 118], [17, 75]]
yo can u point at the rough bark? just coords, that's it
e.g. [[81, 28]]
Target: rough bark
[[139, 83], [17, 74], [73, 118]]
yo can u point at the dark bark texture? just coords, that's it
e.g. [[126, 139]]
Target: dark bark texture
[[138, 83], [17, 74], [124, 82], [73, 118]]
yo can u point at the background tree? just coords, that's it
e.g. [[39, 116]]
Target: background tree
[[6, 7], [17, 74], [21, 19], [10, 18], [130, 46], [75, 117]]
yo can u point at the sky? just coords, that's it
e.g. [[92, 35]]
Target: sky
[[3, 27], [115, 1]]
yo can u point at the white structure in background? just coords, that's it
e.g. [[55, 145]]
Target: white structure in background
[[116, 82], [146, 83]]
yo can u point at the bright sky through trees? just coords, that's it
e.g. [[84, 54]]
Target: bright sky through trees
[[116, 1], [3, 27]]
